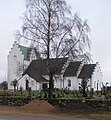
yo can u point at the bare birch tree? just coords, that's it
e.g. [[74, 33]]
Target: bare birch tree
[[56, 32]]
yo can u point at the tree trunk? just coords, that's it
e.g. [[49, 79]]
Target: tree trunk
[[84, 88], [51, 86], [14, 90]]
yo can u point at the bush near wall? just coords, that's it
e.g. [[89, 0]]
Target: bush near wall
[[19, 101], [100, 104], [15, 101], [96, 104]]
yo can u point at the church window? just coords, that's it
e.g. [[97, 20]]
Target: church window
[[69, 83], [15, 57], [94, 84]]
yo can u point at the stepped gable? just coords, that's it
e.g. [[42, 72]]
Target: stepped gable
[[26, 51], [87, 71], [72, 69]]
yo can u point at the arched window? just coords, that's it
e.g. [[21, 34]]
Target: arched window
[[69, 83], [15, 57], [94, 84], [27, 84]]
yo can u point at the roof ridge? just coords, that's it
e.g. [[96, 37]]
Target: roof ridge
[[24, 46]]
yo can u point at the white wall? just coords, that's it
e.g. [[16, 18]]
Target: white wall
[[13, 63], [74, 83], [32, 83], [58, 81], [97, 77]]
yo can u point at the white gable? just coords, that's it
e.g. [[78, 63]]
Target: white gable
[[17, 63], [97, 78]]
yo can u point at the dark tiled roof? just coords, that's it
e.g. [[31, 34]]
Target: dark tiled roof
[[72, 69], [36, 77], [87, 71], [38, 67]]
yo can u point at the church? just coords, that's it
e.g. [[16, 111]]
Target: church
[[26, 66]]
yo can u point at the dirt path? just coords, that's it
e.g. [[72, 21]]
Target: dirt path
[[16, 113], [37, 117]]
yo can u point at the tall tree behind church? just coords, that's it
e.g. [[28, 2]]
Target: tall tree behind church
[[55, 31]]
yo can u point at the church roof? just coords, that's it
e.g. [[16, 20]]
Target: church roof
[[38, 78], [39, 67], [72, 69], [25, 51], [87, 71]]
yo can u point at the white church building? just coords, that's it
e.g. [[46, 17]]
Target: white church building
[[18, 60], [25, 65]]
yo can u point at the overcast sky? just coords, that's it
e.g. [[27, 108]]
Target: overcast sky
[[97, 12]]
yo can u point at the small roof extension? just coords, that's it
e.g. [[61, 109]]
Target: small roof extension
[[72, 69], [87, 71]]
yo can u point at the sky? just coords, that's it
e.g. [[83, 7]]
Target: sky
[[96, 12]]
